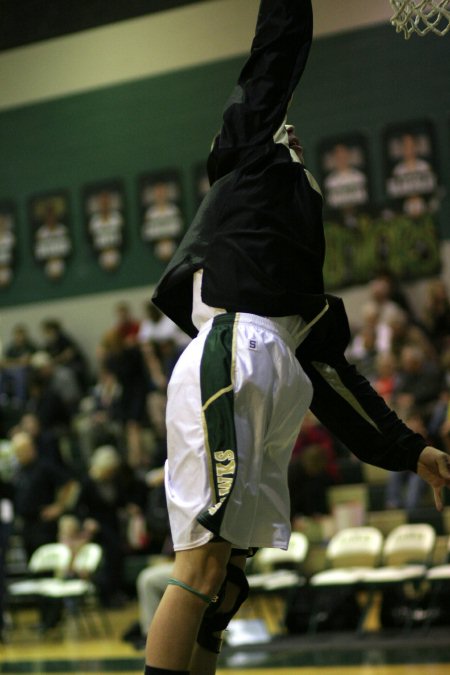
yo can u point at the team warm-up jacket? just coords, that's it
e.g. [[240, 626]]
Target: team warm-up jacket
[[258, 236]]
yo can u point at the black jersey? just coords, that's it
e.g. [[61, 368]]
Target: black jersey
[[258, 236]]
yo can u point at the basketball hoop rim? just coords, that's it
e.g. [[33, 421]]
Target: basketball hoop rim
[[421, 17]]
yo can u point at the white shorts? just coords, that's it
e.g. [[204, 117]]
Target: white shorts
[[236, 401]]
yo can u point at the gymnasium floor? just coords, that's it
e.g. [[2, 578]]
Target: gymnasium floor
[[70, 650]]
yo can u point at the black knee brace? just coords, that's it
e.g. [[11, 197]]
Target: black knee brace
[[215, 621]]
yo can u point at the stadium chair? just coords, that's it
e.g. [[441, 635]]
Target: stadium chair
[[279, 568], [407, 554], [48, 559], [438, 577], [280, 571], [386, 521], [349, 554], [78, 595], [51, 559]]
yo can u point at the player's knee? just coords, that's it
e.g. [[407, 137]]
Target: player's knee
[[204, 571], [233, 593], [212, 575]]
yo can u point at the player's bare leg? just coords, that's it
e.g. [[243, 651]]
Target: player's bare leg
[[173, 631], [204, 662]]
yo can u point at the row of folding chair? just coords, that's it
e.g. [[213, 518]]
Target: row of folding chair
[[357, 558], [54, 573]]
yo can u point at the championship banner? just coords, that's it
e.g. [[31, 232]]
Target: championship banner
[[162, 221], [344, 177], [104, 209], [407, 247], [402, 234], [410, 164], [8, 242], [52, 241]]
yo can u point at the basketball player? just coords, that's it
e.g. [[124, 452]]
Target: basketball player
[[246, 283]]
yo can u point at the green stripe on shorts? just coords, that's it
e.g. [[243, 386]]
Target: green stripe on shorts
[[216, 383]]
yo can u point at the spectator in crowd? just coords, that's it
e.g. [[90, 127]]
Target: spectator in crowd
[[157, 395], [43, 492], [160, 359], [156, 327], [437, 314], [64, 351], [405, 489], [439, 425], [100, 419], [372, 338], [363, 350], [126, 362], [15, 365], [46, 440], [380, 293], [308, 481], [386, 375], [168, 352], [107, 493], [313, 433], [419, 380], [387, 286], [127, 327], [73, 534], [46, 404], [403, 332], [107, 393], [60, 379], [157, 516]]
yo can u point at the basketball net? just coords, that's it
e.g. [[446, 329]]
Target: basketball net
[[421, 16]]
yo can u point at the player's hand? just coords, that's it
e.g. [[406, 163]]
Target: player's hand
[[434, 467]]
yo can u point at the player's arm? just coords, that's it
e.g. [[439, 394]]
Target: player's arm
[[267, 81], [349, 407]]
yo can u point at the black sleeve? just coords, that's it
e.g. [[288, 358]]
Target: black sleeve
[[347, 405], [267, 81], [259, 102]]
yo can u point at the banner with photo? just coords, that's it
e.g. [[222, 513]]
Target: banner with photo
[[407, 247], [401, 235], [162, 220], [344, 177], [51, 236], [104, 211], [8, 242], [410, 165]]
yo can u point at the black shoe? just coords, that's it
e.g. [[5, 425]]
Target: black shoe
[[132, 633], [140, 643]]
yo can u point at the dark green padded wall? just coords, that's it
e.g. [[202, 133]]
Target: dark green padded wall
[[358, 81]]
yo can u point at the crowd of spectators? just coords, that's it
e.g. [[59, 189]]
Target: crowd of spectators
[[86, 439], [403, 349], [87, 436]]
